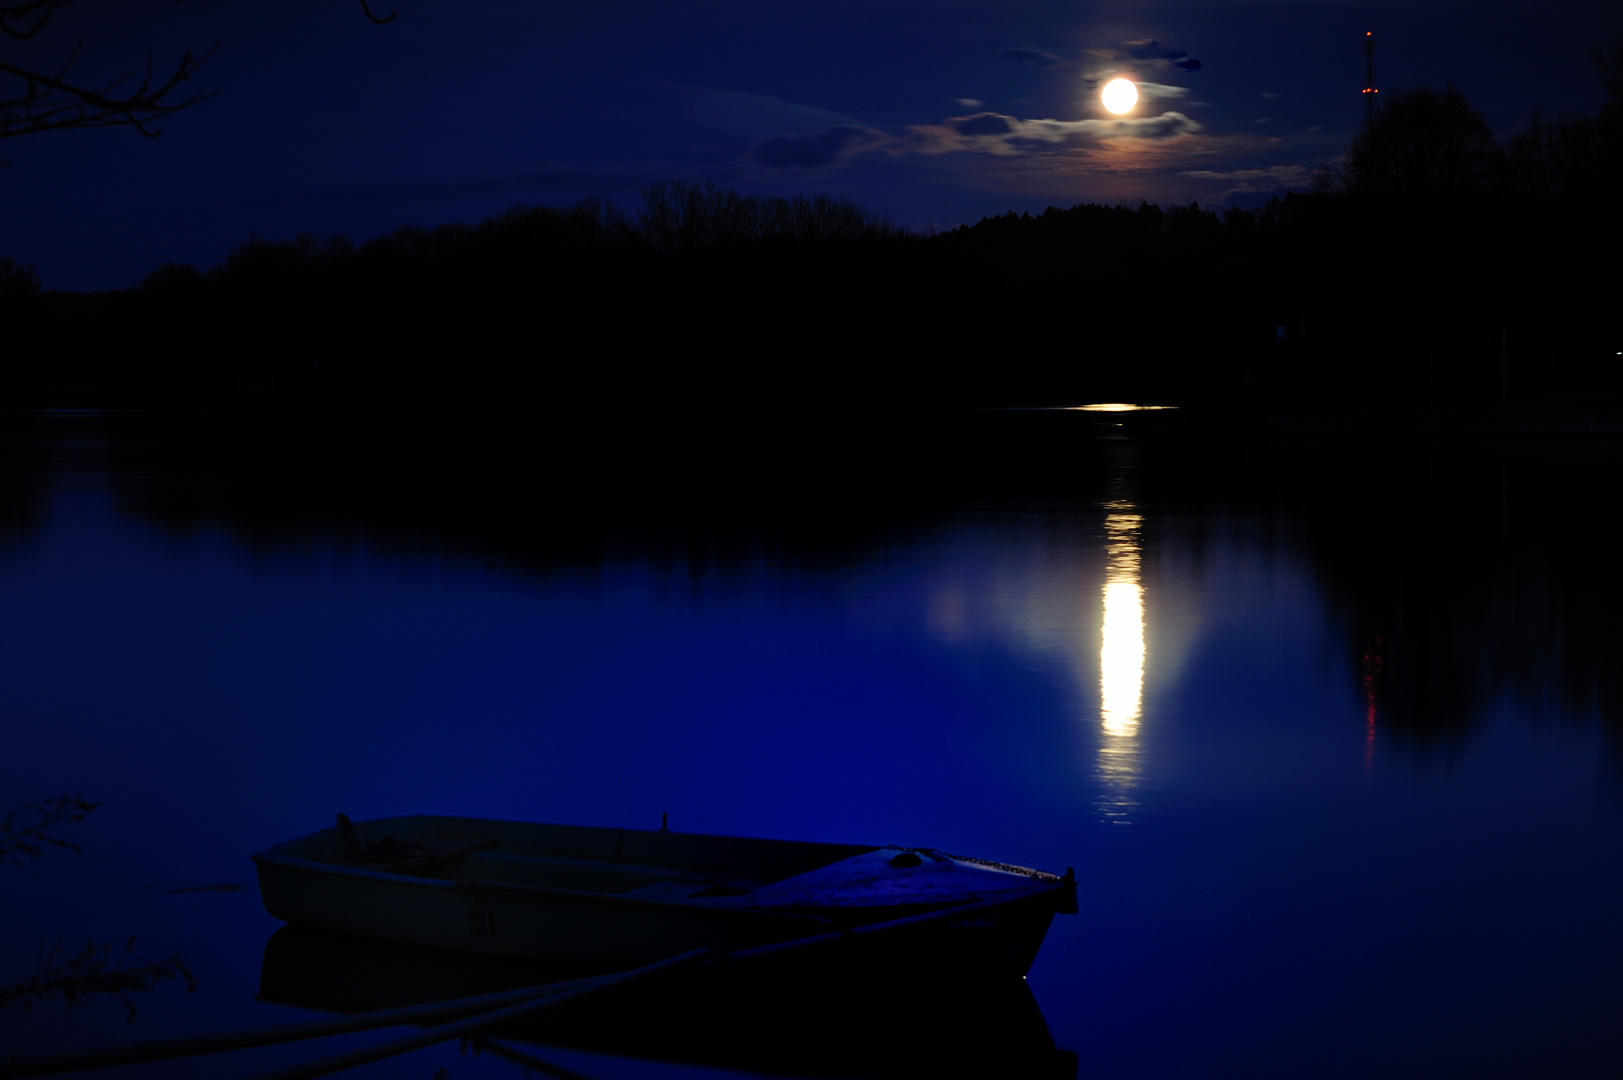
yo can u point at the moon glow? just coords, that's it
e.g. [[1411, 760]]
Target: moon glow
[[1119, 95]]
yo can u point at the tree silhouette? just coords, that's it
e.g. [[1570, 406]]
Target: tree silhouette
[[53, 99], [1422, 143], [1572, 159], [18, 283], [1608, 60], [1561, 159]]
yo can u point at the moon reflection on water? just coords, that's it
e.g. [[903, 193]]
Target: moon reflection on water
[[1121, 664]]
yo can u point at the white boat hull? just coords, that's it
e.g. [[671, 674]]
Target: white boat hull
[[615, 898]]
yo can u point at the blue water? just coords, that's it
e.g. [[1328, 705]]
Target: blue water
[[1274, 881]]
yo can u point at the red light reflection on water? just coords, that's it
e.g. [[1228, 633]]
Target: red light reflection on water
[[1372, 671]]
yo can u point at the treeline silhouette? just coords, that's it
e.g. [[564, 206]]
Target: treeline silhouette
[[1433, 267], [703, 290]]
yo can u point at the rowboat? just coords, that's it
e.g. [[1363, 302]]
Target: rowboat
[[607, 898]]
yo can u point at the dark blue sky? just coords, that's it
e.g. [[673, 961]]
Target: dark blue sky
[[936, 113]]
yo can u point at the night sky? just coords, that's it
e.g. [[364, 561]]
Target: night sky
[[934, 113]]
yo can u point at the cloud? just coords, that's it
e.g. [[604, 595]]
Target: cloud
[[1000, 134], [1143, 55], [1150, 49], [758, 116], [1066, 161], [1168, 125], [1248, 181], [1154, 90], [983, 124], [786, 135], [1036, 58], [969, 102], [828, 147], [1269, 96]]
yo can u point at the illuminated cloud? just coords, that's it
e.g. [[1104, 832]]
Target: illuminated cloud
[[1159, 152], [984, 124], [1168, 125], [1135, 58], [997, 133], [1162, 91], [1063, 162]]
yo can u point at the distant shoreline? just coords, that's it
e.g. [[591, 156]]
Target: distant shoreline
[[1593, 413]]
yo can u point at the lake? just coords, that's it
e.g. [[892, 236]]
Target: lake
[[1330, 730]]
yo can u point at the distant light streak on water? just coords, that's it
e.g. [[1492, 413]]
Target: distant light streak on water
[[1118, 406]]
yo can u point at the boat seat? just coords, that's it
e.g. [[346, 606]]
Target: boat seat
[[582, 875], [430, 852], [668, 890]]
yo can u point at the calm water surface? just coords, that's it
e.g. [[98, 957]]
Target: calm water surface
[[1329, 732]]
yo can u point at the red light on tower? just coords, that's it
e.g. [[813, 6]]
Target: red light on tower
[[1369, 75]]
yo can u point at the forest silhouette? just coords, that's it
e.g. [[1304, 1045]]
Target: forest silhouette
[[1433, 267]]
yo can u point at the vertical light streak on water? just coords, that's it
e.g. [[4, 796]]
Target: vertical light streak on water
[[1121, 665]]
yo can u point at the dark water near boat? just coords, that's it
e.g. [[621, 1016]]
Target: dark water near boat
[[1330, 730]]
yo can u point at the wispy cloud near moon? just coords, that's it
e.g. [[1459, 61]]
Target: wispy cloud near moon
[[1036, 58], [1001, 134], [1001, 150], [758, 116], [1150, 49], [1249, 181]]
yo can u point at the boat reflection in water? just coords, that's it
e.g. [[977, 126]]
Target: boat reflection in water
[[824, 1026], [1121, 664]]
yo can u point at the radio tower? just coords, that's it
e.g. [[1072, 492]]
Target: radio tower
[[1369, 77]]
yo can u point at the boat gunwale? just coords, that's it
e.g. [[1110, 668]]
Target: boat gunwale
[[296, 842], [485, 885], [1040, 881]]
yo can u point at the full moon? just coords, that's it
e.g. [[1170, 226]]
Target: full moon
[[1119, 95]]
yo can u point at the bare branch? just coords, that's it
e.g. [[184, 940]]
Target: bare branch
[[29, 828], [95, 971], [52, 102], [23, 20], [368, 9]]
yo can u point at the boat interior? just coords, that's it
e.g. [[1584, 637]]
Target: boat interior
[[655, 864]]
